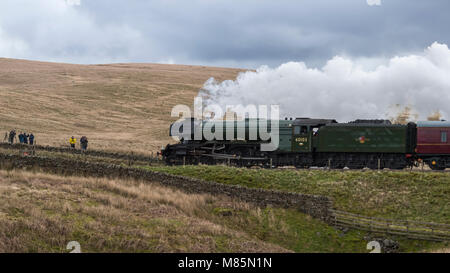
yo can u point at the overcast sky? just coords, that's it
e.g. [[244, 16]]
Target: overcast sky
[[235, 33]]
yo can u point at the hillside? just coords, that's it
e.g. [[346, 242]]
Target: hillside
[[42, 213], [419, 196], [116, 213], [123, 107]]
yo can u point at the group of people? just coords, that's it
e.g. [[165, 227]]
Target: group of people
[[83, 142], [24, 138]]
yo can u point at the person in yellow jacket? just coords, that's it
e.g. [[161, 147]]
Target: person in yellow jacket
[[72, 142]]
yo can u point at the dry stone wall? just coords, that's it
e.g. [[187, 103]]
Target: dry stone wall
[[316, 206]]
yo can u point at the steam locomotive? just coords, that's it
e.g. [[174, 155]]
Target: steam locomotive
[[306, 142]]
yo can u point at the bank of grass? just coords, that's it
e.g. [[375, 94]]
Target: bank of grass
[[421, 196], [301, 233], [42, 213]]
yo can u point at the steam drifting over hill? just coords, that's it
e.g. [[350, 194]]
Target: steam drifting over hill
[[345, 88]]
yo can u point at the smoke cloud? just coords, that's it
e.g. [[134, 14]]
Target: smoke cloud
[[374, 2], [345, 89]]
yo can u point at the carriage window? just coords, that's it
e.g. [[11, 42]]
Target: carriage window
[[304, 130], [444, 137], [296, 130]]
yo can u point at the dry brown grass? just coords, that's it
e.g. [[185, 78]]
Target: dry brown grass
[[122, 107], [42, 213]]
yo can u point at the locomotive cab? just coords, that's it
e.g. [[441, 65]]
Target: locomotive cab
[[305, 131]]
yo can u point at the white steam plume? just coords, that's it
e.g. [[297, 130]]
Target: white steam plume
[[344, 89], [374, 2]]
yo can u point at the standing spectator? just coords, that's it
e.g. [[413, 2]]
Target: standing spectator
[[72, 142], [31, 139], [12, 136], [21, 138], [25, 138], [84, 143]]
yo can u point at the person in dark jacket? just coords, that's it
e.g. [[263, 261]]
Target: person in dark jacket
[[21, 140], [12, 136], [84, 143], [25, 138], [31, 139]]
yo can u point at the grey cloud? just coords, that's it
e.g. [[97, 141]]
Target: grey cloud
[[245, 33]]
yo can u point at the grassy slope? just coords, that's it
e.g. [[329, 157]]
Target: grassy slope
[[42, 213], [119, 106], [298, 232], [398, 195]]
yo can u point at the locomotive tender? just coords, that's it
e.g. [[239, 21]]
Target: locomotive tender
[[305, 142]]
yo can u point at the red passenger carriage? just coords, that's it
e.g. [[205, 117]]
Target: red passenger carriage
[[433, 143]]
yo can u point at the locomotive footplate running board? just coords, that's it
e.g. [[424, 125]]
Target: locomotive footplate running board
[[227, 156]]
